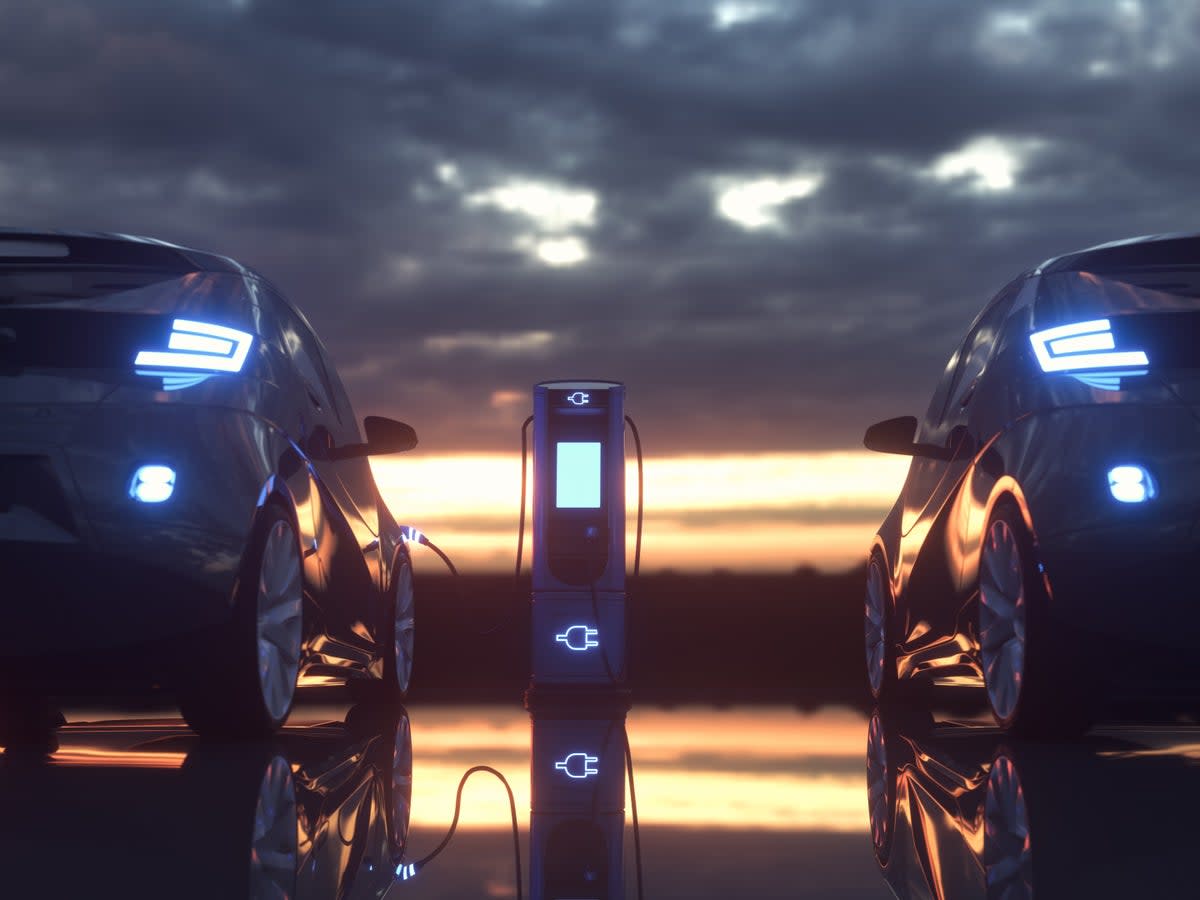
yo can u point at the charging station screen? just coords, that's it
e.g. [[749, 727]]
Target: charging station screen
[[578, 480]]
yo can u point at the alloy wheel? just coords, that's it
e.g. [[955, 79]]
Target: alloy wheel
[[1007, 854], [1002, 619], [279, 621], [273, 849], [874, 628], [402, 635], [879, 786]]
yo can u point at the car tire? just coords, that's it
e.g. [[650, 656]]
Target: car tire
[[1007, 847], [245, 796], [241, 680], [1031, 676], [398, 658], [880, 648], [881, 786], [396, 645]]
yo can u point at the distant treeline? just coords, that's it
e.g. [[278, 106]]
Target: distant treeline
[[718, 638]]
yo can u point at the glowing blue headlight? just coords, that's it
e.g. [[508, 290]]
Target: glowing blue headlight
[[200, 345], [152, 484], [1082, 346], [1131, 484]]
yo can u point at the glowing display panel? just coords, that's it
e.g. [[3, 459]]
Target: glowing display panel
[[578, 479]]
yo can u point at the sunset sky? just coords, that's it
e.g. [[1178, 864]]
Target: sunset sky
[[772, 219]]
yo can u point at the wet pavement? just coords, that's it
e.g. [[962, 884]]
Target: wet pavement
[[765, 802]]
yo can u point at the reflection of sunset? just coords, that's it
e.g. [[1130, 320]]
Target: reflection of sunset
[[134, 759], [756, 512], [774, 769]]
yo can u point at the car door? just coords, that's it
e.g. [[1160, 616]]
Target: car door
[[346, 543], [932, 479], [930, 620]]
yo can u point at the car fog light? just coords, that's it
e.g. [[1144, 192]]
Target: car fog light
[[152, 484], [1131, 484]]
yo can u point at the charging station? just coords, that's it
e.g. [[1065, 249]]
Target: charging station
[[578, 614], [577, 814]]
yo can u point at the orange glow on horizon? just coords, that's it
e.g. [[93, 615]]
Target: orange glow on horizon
[[756, 512], [743, 769]]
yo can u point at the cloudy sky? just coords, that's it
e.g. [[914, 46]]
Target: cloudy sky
[[771, 219]]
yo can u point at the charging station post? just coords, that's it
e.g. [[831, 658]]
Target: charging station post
[[578, 614]]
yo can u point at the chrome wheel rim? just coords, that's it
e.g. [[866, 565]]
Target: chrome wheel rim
[[1002, 619], [402, 765], [876, 603], [280, 597], [273, 848], [878, 785], [1007, 854], [402, 636]]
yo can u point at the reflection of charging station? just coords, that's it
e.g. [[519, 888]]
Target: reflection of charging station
[[577, 817], [578, 534]]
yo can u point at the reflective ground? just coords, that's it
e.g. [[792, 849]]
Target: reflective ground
[[757, 802]]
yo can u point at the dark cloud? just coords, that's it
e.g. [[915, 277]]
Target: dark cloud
[[348, 150]]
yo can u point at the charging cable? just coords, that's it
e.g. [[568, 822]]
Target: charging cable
[[524, 486], [637, 546], [409, 870], [413, 535], [637, 832]]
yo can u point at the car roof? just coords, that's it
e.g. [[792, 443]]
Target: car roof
[[1174, 248], [80, 248]]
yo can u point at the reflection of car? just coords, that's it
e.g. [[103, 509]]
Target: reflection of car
[[184, 490], [957, 812], [1045, 541], [143, 809]]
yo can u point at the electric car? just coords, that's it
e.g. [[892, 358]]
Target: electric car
[[962, 812], [147, 810], [185, 495], [1046, 540]]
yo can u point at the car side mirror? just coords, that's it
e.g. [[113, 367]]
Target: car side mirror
[[892, 435], [383, 436], [896, 436], [388, 435]]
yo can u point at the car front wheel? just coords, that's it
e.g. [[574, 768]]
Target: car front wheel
[[241, 678], [1032, 683], [399, 659], [881, 660]]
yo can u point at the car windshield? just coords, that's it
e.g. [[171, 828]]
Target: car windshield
[[1152, 309], [1071, 296], [78, 317], [218, 296]]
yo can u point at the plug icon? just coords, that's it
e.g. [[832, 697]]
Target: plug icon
[[579, 398], [579, 638], [578, 765]]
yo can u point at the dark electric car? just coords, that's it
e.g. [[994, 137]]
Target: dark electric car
[[185, 494], [964, 813], [146, 810], [1045, 543]]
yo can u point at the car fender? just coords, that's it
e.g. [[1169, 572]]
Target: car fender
[[985, 493]]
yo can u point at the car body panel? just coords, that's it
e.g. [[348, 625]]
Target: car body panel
[[1044, 443], [91, 573], [1087, 810]]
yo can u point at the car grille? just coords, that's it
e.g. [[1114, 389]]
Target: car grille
[[30, 481]]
